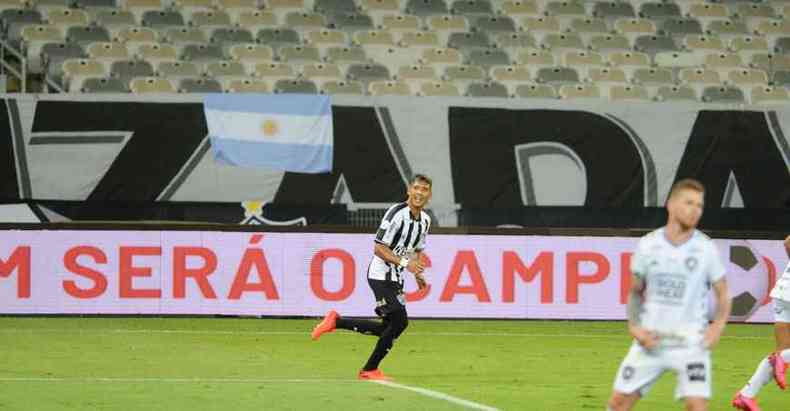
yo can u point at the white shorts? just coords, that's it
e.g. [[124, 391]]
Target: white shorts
[[641, 369], [781, 311]]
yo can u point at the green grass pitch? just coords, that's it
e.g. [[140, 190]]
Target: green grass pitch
[[271, 364]]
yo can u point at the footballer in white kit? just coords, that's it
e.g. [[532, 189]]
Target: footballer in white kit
[[774, 365], [674, 268]]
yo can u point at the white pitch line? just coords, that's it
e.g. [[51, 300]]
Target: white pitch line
[[172, 380], [438, 395], [305, 333]]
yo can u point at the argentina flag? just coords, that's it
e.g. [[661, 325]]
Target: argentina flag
[[291, 132]]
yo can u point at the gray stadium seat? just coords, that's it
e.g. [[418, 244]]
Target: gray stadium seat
[[426, 7], [115, 18], [185, 35], [614, 10], [295, 86], [655, 44], [125, 70], [228, 36], [471, 7], [781, 78], [84, 4], [162, 18], [610, 42], [343, 87], [201, 52], [177, 69], [278, 37], [210, 18], [676, 93], [55, 54], [346, 55], [680, 27], [330, 7], [496, 24], [727, 27], [466, 41], [464, 73], [589, 27], [658, 11], [491, 89], [199, 85], [723, 94], [565, 8], [515, 41], [85, 35], [351, 22], [488, 58], [299, 54], [13, 20], [557, 75], [536, 91], [103, 85], [368, 72], [782, 45], [653, 76]]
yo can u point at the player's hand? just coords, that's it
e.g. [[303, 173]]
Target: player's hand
[[645, 338], [421, 283], [415, 266], [787, 245], [712, 336]]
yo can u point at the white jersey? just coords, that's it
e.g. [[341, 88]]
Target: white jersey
[[677, 281], [404, 235], [782, 288]]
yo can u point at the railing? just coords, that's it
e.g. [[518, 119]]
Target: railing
[[7, 49]]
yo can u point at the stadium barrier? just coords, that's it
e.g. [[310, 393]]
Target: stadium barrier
[[166, 270]]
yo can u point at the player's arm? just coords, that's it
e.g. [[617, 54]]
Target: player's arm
[[385, 253], [421, 283], [636, 299], [723, 306], [787, 245]]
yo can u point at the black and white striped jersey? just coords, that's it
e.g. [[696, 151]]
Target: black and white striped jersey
[[404, 235]]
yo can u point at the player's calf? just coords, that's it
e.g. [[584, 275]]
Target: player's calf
[[622, 402], [696, 404]]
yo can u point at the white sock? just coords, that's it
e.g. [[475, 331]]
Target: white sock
[[785, 355], [763, 374]]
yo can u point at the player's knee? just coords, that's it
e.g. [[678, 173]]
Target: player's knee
[[696, 404], [619, 402], [615, 403]]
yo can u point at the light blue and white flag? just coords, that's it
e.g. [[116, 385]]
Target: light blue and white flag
[[291, 132]]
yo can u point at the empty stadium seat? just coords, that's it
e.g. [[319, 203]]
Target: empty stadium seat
[[439, 88], [652, 76], [628, 92], [75, 71], [389, 88], [299, 54], [487, 89], [141, 85], [464, 74], [723, 95], [544, 91], [607, 75], [125, 70], [247, 86], [177, 69], [296, 86], [426, 7], [343, 88], [676, 93], [472, 7], [747, 77], [273, 71], [769, 95], [201, 52], [366, 73], [579, 91], [103, 85], [557, 75], [199, 85]]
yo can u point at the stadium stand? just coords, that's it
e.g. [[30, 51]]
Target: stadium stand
[[692, 50]]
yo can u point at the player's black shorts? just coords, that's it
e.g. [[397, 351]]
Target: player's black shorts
[[389, 296]]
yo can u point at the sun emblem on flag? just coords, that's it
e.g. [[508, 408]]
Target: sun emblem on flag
[[270, 128]]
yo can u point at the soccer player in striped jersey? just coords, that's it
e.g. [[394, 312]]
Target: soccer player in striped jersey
[[398, 247], [774, 366], [674, 268]]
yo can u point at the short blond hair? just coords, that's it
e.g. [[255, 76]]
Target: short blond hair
[[687, 184]]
